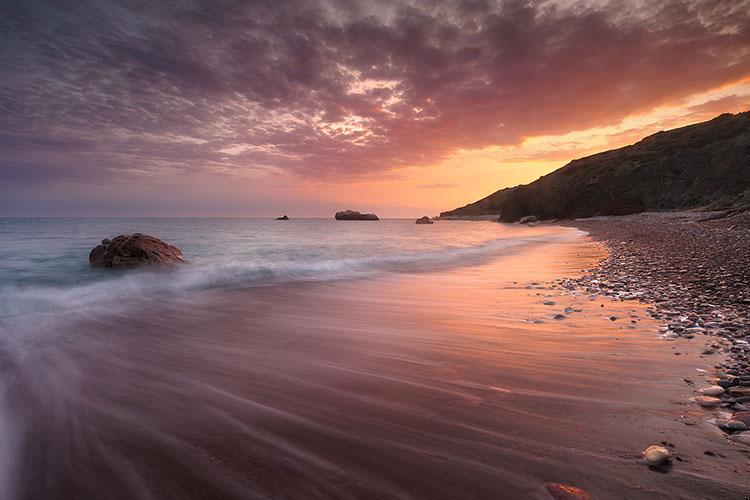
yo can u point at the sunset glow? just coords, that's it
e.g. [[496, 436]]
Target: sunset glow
[[411, 109]]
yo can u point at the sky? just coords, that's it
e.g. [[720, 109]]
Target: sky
[[306, 107]]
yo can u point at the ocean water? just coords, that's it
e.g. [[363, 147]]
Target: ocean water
[[44, 262]]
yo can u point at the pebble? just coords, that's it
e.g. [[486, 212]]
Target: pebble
[[736, 425], [567, 492], [656, 455], [713, 390], [707, 401], [742, 437], [558, 316]]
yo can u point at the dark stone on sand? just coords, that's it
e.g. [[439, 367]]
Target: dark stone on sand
[[424, 220], [566, 492], [283, 217], [354, 215], [134, 250], [558, 317], [528, 219]]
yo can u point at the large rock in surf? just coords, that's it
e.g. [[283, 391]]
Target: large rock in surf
[[424, 220], [133, 250], [283, 217], [354, 215]]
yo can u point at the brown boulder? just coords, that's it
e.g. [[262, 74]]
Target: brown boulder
[[133, 250]]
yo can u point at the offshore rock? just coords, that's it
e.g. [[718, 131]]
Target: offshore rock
[[134, 250], [354, 215]]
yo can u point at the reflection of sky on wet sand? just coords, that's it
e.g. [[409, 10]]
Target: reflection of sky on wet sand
[[429, 385]]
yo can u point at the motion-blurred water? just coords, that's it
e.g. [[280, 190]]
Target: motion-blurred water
[[324, 359], [44, 262]]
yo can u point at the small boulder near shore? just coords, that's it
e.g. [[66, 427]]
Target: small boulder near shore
[[134, 250], [354, 215], [283, 217], [424, 220]]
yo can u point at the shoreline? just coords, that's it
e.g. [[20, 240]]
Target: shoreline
[[458, 383], [693, 270]]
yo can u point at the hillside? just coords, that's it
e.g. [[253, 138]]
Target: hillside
[[701, 165]]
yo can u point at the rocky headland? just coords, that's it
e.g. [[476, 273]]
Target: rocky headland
[[701, 165], [134, 250]]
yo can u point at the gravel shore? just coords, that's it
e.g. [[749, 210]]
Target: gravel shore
[[694, 270]]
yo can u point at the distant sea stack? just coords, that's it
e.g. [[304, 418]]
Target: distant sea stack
[[424, 220], [354, 215], [134, 250], [283, 217], [702, 165]]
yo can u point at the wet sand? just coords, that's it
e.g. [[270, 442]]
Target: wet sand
[[453, 384]]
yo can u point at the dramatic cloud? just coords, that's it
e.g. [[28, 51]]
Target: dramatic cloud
[[97, 92]]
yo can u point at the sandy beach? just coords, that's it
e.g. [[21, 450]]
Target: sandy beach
[[458, 383]]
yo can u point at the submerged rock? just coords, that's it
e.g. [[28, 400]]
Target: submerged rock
[[656, 455], [354, 215], [133, 250], [424, 220], [566, 492], [283, 217]]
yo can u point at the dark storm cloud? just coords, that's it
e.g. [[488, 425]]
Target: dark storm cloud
[[99, 91]]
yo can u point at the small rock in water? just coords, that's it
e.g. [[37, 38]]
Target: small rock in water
[[558, 316], [707, 401], [566, 492], [613, 318], [713, 390], [549, 302], [656, 455]]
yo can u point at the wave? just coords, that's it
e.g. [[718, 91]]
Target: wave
[[125, 287]]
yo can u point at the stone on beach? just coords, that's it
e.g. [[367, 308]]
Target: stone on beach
[[566, 492], [736, 425], [656, 455], [713, 390], [707, 401], [528, 219], [134, 250]]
